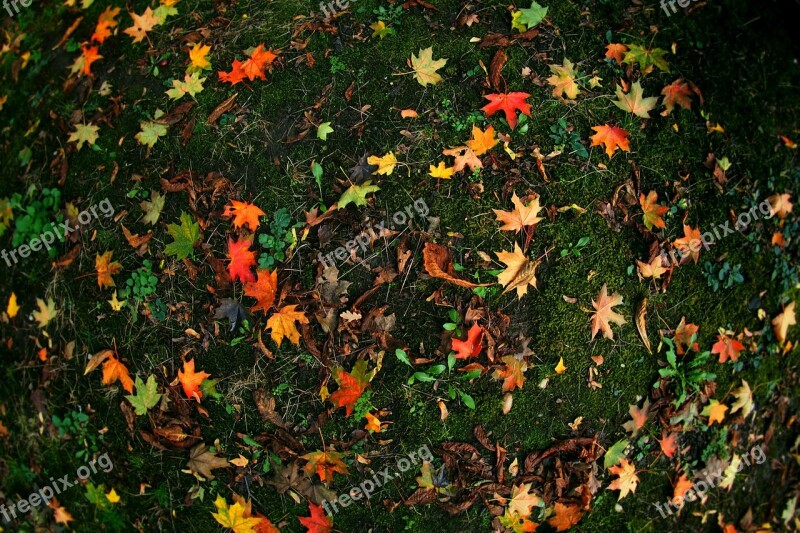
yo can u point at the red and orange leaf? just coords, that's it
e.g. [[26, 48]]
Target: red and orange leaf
[[612, 138], [351, 386], [253, 67], [616, 51], [114, 370], [317, 522], [652, 210], [513, 374], [236, 75], [508, 103], [727, 348], [283, 325], [682, 486], [482, 141], [472, 346], [669, 443], [638, 418], [244, 214], [242, 260], [105, 22], [683, 336], [263, 289], [191, 380], [677, 92], [325, 465], [689, 244], [106, 269], [565, 517], [90, 55]]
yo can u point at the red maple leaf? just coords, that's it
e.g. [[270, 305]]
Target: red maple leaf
[[242, 259], [351, 386], [251, 68], [317, 522], [727, 347], [472, 346], [508, 103]]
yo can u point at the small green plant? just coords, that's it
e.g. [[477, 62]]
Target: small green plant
[[75, 425], [141, 284], [35, 216], [685, 374], [436, 374], [455, 323], [565, 138], [337, 65], [723, 277], [277, 240], [458, 123], [390, 15], [575, 249]]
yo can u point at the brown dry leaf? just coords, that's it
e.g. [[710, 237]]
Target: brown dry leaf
[[520, 271], [439, 264], [202, 461], [604, 313], [641, 323]]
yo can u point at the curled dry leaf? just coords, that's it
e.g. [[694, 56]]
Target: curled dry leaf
[[439, 264]]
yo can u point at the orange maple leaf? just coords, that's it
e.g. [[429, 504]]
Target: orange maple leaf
[[472, 346], [236, 74], [263, 289], [90, 55], [242, 259], [142, 24], [604, 313], [513, 373], [682, 486], [690, 244], [191, 380], [105, 22], [565, 516], [677, 92], [244, 214], [627, 481], [727, 347], [638, 418], [465, 157], [114, 370], [325, 464], [373, 423], [508, 103], [283, 325], [683, 336], [612, 137], [616, 51], [251, 68], [482, 141], [106, 269], [351, 386], [521, 216], [317, 522], [669, 443], [652, 210]]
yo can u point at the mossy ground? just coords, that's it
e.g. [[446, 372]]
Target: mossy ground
[[737, 52]]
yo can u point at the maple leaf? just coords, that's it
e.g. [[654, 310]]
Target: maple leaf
[[612, 137], [106, 269], [323, 130], [105, 22], [152, 208], [715, 412], [522, 500], [683, 336], [184, 235], [425, 67], [198, 57], [780, 205], [604, 313], [442, 171], [627, 481], [563, 80], [508, 103], [652, 210], [385, 163], [357, 194], [142, 24], [744, 399], [114, 370], [472, 346], [646, 58], [519, 273], [780, 324], [146, 397], [654, 269], [244, 214], [638, 418], [669, 443], [253, 67], [727, 347], [233, 516], [689, 245], [317, 522], [191, 380], [381, 30], [60, 514], [263, 289], [351, 386], [465, 157], [482, 141], [616, 51], [682, 486], [90, 55], [325, 464], [191, 85], [84, 133], [565, 516], [282, 324], [46, 313], [150, 133], [236, 75], [202, 461], [242, 259], [513, 374], [522, 215], [677, 92], [530, 17], [635, 102]]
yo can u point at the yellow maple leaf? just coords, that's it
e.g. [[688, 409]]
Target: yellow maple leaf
[[233, 516], [385, 164], [522, 500], [198, 55], [522, 215], [112, 496], [283, 325], [560, 367], [116, 304], [425, 67], [84, 133], [46, 313], [482, 141], [441, 171], [715, 412], [373, 423], [627, 481], [520, 271], [563, 80], [654, 269]]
